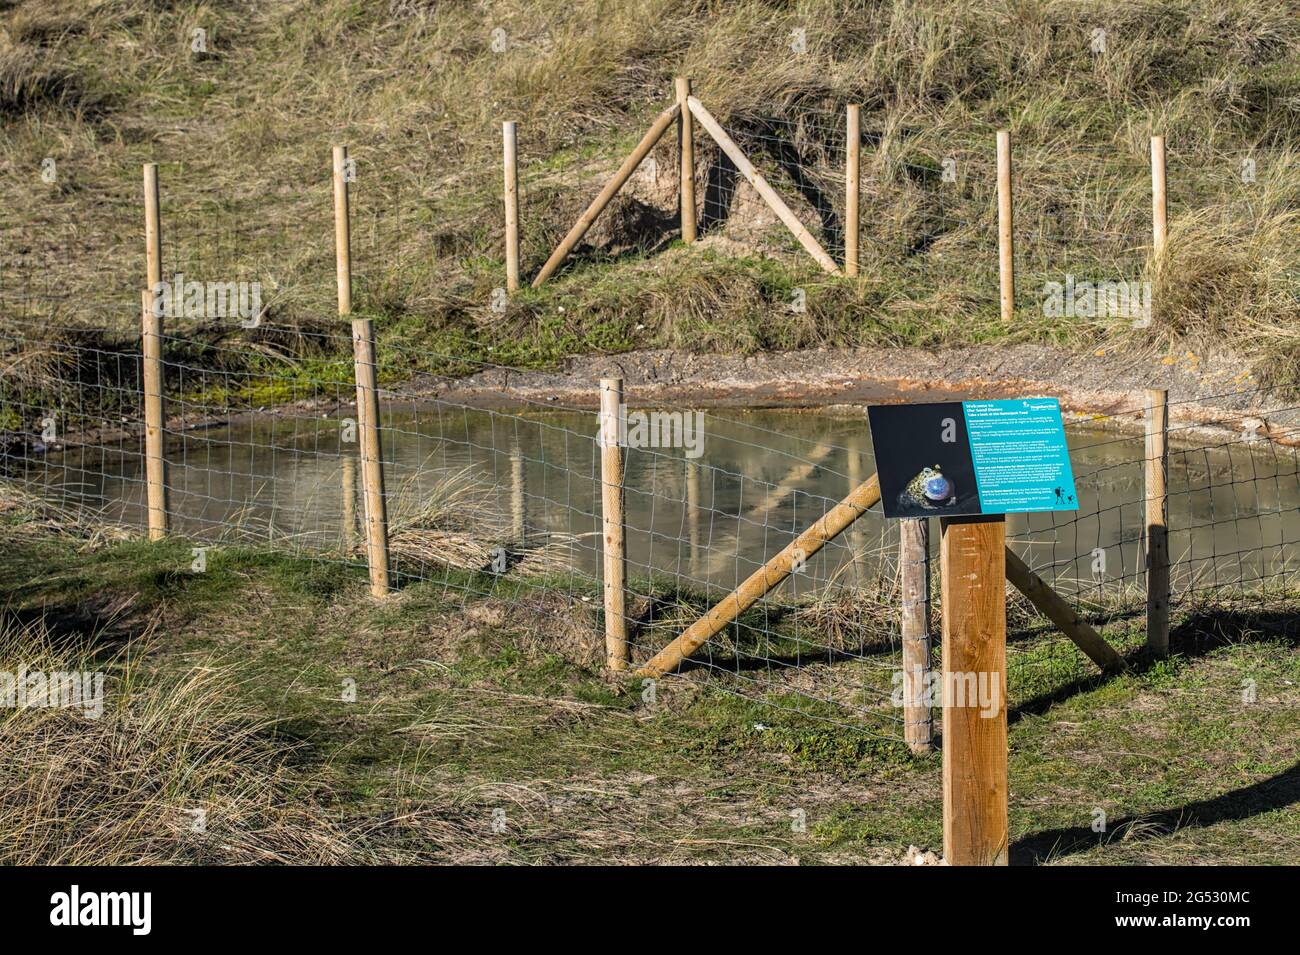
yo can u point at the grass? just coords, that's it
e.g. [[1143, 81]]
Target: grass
[[177, 768], [418, 91], [229, 690]]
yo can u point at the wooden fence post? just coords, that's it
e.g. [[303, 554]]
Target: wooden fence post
[[152, 381], [914, 570], [1157, 515], [693, 511], [1159, 211], [686, 154], [152, 228], [342, 232], [852, 172], [151, 347], [511, 162], [611, 498], [363, 357], [853, 471], [973, 570], [372, 460], [1006, 258]]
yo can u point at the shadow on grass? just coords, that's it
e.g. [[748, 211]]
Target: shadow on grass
[[1276, 792], [1198, 635]]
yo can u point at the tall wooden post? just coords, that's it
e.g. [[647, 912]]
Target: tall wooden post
[[511, 163], [852, 170], [342, 232], [914, 571], [152, 227], [1157, 515], [973, 568], [372, 461], [686, 154], [1006, 258], [611, 498], [363, 355], [151, 346], [154, 462], [1159, 210]]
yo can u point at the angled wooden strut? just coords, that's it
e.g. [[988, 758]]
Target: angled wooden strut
[[834, 522], [755, 178], [585, 221]]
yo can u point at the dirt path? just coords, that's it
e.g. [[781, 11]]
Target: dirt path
[[1210, 398], [1207, 395]]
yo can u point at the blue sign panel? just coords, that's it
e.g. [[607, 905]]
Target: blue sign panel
[[1021, 462], [952, 459]]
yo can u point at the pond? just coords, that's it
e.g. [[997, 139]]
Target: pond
[[531, 480]]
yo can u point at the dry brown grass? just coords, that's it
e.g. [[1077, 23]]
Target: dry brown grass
[[453, 522], [126, 786]]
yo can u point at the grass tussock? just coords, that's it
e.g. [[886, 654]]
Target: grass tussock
[[453, 523], [175, 770]]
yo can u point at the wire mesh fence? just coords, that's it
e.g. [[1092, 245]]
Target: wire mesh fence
[[496, 498]]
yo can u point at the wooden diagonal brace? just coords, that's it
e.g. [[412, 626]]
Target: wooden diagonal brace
[[831, 525], [647, 143], [755, 178]]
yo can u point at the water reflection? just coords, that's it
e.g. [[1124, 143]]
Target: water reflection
[[763, 477]]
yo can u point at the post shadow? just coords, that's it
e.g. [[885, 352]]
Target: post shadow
[[1276, 792]]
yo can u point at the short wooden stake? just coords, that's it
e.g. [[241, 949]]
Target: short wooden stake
[[914, 571], [342, 232], [1157, 514], [1006, 258], [1159, 209], [852, 171], [611, 498], [686, 155], [155, 463], [974, 691], [511, 164], [372, 461]]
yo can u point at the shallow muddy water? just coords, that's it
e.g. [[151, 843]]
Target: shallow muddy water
[[761, 477]]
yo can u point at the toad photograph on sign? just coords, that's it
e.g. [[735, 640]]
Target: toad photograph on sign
[[968, 458]]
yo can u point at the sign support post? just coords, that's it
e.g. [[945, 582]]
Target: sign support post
[[974, 690], [970, 463]]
